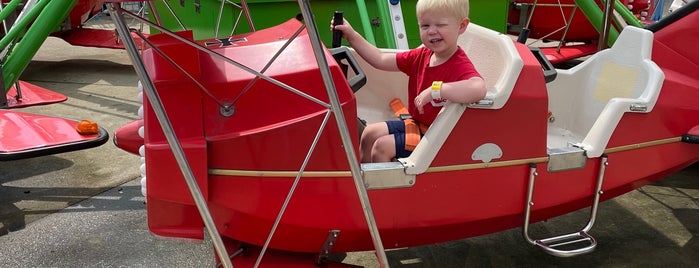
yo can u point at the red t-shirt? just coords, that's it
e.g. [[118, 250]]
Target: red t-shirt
[[415, 63]]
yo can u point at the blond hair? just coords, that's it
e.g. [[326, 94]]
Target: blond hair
[[457, 8]]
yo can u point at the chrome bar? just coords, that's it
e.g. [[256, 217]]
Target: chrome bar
[[344, 132], [172, 12], [243, 10], [293, 187], [606, 24], [152, 95], [638, 108], [149, 6], [531, 14], [565, 33], [269, 63], [549, 34], [180, 69], [565, 27], [27, 6], [484, 103], [583, 237], [228, 60], [237, 21], [18, 90], [528, 205], [598, 192], [244, 4], [218, 20]]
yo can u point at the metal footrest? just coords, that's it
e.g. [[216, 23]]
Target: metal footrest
[[572, 244], [568, 245]]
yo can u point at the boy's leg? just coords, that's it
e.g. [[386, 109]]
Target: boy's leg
[[384, 149], [371, 133], [390, 146]]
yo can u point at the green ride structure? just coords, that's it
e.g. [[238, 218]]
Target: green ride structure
[[25, 35], [380, 21]]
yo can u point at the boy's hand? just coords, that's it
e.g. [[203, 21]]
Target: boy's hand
[[425, 97], [345, 27]]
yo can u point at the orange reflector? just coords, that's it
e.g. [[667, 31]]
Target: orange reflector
[[87, 127]]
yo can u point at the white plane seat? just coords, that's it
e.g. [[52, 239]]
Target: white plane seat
[[588, 100]]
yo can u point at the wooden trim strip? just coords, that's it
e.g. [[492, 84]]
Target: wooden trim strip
[[337, 174], [642, 145]]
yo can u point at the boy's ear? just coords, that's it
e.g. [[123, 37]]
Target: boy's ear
[[463, 25]]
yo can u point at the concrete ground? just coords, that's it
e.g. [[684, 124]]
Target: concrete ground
[[84, 208], [101, 86]]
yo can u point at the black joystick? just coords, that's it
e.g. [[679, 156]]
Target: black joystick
[[337, 35]]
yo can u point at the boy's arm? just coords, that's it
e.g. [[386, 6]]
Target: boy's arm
[[464, 91], [369, 52]]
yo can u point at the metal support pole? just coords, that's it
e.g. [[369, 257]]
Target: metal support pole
[[152, 95], [594, 15], [218, 21], [606, 25], [565, 32], [246, 10], [598, 193], [154, 12], [344, 132]]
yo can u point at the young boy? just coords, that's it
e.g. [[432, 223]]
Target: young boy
[[438, 71]]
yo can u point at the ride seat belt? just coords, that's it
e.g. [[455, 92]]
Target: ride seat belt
[[413, 129]]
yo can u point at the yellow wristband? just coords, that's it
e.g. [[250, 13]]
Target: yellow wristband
[[436, 87]]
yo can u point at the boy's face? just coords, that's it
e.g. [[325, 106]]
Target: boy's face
[[439, 30]]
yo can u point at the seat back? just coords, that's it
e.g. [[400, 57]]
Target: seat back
[[496, 59]]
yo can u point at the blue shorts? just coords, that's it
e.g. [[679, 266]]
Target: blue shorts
[[397, 128]]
